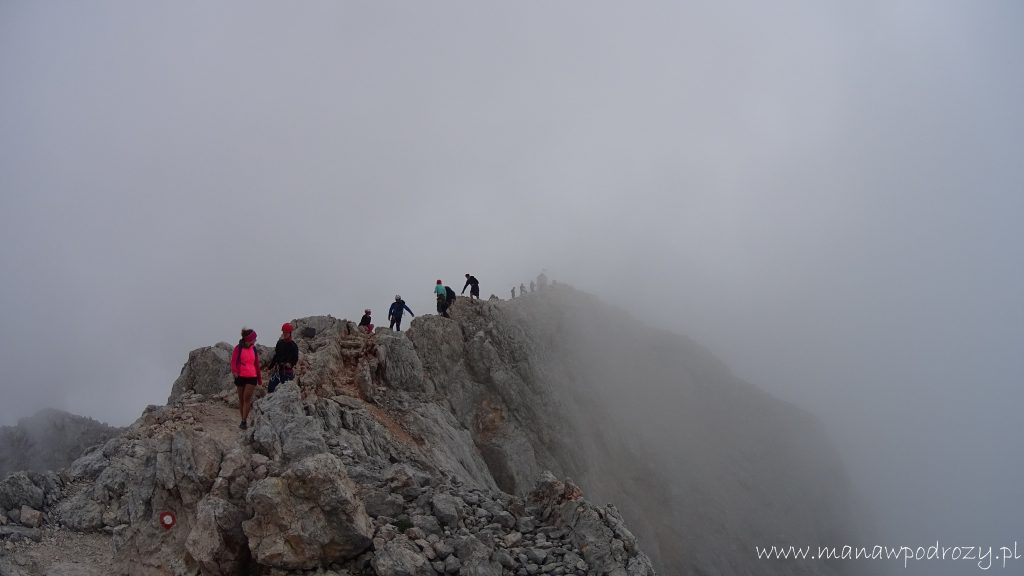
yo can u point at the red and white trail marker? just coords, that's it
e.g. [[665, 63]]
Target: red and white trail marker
[[167, 520]]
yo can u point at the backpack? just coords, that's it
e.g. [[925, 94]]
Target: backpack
[[450, 295]]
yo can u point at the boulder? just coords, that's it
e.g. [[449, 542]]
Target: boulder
[[281, 429], [217, 542], [206, 372], [400, 557], [308, 517]]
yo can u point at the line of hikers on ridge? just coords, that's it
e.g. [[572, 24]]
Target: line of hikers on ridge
[[542, 283], [245, 359]]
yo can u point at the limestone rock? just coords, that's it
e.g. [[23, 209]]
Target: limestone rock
[[307, 517], [206, 372]]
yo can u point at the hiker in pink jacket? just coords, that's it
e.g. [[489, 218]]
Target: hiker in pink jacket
[[245, 365]]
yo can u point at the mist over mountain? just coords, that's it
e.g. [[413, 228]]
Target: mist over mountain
[[452, 431], [49, 440]]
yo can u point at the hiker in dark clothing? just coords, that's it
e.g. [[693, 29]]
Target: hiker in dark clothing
[[474, 287], [513, 292], [398, 307], [449, 300], [366, 323], [286, 356]]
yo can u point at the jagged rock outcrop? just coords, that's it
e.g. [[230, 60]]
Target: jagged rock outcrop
[[49, 440], [435, 451]]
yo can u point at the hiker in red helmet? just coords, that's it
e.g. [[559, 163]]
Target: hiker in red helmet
[[245, 365], [286, 356]]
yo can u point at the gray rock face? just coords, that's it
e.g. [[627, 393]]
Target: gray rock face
[[282, 430], [307, 517], [207, 372], [400, 557], [427, 453]]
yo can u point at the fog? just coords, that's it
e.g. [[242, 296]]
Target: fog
[[827, 196]]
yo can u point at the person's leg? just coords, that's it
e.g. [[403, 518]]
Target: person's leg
[[241, 400], [275, 378], [250, 389], [398, 324]]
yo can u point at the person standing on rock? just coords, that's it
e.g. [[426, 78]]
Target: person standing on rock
[[398, 307], [513, 292], [474, 287], [245, 365], [522, 289], [449, 300], [286, 356], [442, 299], [366, 322]]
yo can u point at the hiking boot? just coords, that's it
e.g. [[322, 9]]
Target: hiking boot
[[243, 425]]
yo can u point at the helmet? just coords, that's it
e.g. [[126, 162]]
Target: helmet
[[286, 327], [438, 281], [398, 297]]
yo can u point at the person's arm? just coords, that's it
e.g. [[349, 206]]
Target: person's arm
[[234, 365], [409, 309], [464, 286]]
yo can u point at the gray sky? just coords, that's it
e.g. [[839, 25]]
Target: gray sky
[[829, 195]]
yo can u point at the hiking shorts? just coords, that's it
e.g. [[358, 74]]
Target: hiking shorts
[[240, 381], [474, 291]]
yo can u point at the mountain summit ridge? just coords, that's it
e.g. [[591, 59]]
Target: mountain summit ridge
[[439, 451]]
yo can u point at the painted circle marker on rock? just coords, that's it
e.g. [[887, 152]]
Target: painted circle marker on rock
[[168, 520]]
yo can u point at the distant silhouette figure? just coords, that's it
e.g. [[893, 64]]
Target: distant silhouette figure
[[474, 287], [532, 286], [513, 292], [522, 289]]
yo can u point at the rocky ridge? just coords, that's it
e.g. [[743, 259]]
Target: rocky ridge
[[384, 459], [447, 450]]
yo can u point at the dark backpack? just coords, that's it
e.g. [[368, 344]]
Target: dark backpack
[[450, 295]]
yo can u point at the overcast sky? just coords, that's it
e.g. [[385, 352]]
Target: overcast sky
[[829, 195]]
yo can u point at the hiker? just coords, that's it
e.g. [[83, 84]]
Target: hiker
[[442, 299], [513, 292], [366, 323], [522, 289], [474, 287], [245, 365], [449, 300], [532, 286], [286, 356], [398, 307]]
